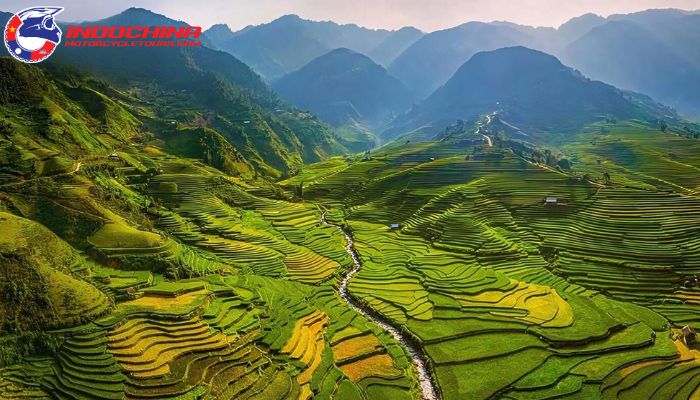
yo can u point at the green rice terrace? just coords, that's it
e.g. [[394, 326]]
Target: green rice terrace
[[450, 269], [188, 283]]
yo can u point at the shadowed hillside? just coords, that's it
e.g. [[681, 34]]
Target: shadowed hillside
[[528, 88], [346, 88], [289, 42]]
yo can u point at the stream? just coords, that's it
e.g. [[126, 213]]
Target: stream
[[418, 357]]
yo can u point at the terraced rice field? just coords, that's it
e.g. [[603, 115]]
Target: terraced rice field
[[575, 299], [267, 237], [225, 293]]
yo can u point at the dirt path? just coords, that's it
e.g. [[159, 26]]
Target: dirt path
[[74, 171]]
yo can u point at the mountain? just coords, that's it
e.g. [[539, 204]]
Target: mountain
[[344, 88], [432, 60], [218, 34], [208, 89], [527, 88], [579, 26], [4, 17], [289, 42], [653, 16], [654, 59], [395, 44]]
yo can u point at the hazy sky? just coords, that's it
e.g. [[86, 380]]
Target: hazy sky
[[428, 15]]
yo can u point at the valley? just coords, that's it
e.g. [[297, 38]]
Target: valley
[[427, 385], [235, 294], [311, 210]]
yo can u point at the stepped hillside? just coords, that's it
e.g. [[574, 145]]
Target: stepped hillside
[[289, 42], [211, 91], [583, 297], [346, 88], [48, 123], [54, 117], [529, 89], [132, 268]]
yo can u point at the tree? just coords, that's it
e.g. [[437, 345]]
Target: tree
[[663, 125], [606, 178], [300, 190], [564, 164]]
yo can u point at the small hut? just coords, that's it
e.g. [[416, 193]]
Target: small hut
[[551, 200], [555, 201], [395, 226]]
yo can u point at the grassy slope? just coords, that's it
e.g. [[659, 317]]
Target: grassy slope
[[478, 260], [249, 259], [42, 285], [566, 295]]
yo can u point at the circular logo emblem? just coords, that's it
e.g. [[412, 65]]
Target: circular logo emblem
[[32, 35]]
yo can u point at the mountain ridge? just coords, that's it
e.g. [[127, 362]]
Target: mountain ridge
[[530, 88], [289, 42], [346, 88]]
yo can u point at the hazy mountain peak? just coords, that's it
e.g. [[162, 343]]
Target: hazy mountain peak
[[579, 26], [137, 10], [345, 88], [221, 27], [409, 29], [530, 88], [289, 42], [219, 34], [140, 16], [395, 44], [432, 59], [342, 50], [287, 18]]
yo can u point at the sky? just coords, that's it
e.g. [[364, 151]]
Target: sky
[[428, 15]]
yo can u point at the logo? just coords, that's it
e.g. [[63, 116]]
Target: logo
[[32, 35]]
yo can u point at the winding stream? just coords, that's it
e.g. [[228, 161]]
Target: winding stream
[[427, 385]]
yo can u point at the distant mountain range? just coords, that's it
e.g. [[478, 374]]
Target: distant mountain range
[[288, 43], [429, 62], [394, 45], [633, 52], [379, 74], [528, 88], [652, 52], [346, 88]]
